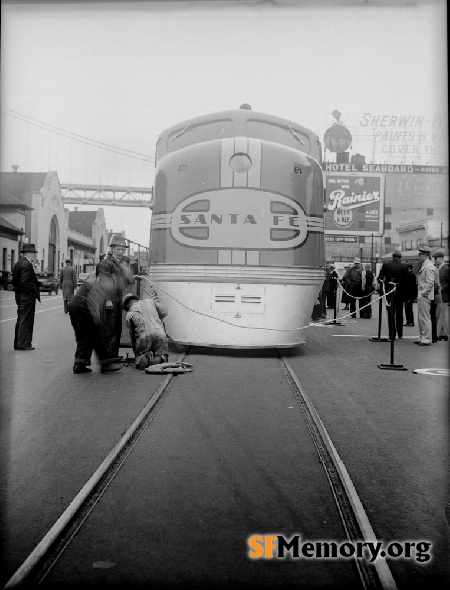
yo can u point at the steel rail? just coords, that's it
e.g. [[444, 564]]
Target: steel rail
[[354, 518], [39, 562]]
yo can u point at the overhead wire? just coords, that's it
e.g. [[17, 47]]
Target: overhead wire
[[76, 137]]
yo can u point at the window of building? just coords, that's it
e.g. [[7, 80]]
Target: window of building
[[430, 211], [388, 210], [387, 241], [387, 225]]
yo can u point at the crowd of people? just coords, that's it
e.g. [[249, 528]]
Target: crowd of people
[[95, 308], [401, 287]]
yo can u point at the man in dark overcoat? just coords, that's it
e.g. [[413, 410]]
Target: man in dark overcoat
[[68, 283], [352, 281], [26, 287], [394, 271], [114, 276]]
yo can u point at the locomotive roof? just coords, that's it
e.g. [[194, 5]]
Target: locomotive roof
[[242, 115], [234, 123]]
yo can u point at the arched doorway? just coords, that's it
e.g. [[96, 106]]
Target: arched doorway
[[52, 242]]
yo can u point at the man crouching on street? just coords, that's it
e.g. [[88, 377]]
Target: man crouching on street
[[147, 333]]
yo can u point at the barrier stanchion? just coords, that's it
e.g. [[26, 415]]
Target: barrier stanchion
[[379, 338], [391, 311]]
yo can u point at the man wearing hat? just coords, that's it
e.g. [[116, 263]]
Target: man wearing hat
[[425, 287], [394, 274], [68, 282], [147, 332], [352, 280], [26, 287], [114, 275], [442, 306]]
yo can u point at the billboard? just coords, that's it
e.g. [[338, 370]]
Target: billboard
[[354, 203]]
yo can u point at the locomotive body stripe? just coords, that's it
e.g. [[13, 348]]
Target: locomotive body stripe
[[254, 174], [226, 173]]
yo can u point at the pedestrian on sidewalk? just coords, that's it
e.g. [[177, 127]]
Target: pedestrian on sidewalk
[[68, 283], [26, 287]]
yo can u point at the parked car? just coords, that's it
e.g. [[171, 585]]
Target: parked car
[[82, 277], [47, 282], [6, 280]]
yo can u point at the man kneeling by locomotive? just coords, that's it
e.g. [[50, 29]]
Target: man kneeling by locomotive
[[147, 333]]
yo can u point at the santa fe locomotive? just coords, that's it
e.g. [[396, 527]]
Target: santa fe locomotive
[[237, 233]]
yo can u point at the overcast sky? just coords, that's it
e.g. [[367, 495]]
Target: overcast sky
[[119, 73]]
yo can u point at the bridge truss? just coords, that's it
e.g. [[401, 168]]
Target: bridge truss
[[90, 194]]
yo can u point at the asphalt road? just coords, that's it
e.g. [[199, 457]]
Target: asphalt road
[[226, 455]]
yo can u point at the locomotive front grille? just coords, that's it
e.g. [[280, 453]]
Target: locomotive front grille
[[241, 298]]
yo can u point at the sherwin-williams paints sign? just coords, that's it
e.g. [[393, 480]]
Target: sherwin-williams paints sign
[[354, 203]]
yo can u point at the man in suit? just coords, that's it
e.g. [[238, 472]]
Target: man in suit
[[368, 288], [26, 287], [394, 271], [425, 286], [68, 282]]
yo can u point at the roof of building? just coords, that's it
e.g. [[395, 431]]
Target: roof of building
[[82, 221], [22, 184], [10, 201], [5, 224]]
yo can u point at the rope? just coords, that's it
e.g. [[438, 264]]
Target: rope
[[246, 327]]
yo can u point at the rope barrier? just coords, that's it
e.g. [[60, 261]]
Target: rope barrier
[[319, 322]]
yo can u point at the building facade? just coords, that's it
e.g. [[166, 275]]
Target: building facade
[[33, 211]]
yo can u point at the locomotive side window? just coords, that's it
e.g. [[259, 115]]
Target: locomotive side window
[[198, 133], [279, 133]]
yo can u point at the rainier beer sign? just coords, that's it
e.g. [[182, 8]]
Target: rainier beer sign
[[354, 203]]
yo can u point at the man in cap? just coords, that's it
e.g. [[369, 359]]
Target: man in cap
[[352, 280], [114, 276], [394, 274], [147, 332], [26, 287], [331, 277], [442, 305], [68, 282], [425, 287]]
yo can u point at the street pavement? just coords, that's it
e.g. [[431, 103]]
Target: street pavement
[[389, 427]]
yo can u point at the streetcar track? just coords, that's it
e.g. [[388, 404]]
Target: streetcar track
[[40, 561], [376, 576], [351, 510]]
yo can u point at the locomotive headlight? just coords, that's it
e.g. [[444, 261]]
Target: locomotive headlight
[[240, 163]]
